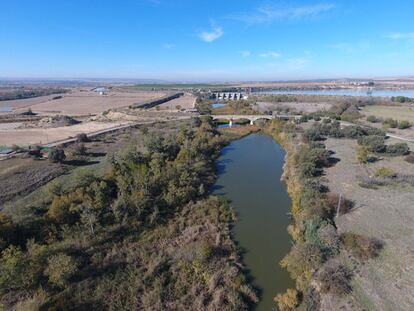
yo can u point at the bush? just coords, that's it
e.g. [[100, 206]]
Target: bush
[[390, 123], [372, 119], [353, 132], [402, 125], [79, 149], [303, 257], [60, 269], [384, 172], [82, 137], [374, 143], [287, 301], [398, 149], [410, 158], [335, 278], [362, 154], [361, 247], [57, 155]]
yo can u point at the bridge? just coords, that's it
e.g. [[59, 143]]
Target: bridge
[[229, 96], [253, 118]]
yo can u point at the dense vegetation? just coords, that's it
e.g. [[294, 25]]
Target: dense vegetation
[[29, 93], [144, 235]]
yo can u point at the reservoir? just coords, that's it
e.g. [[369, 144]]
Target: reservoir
[[344, 92], [249, 176]]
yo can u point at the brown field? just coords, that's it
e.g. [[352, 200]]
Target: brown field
[[23, 104], [80, 103], [31, 136], [185, 102], [387, 214]]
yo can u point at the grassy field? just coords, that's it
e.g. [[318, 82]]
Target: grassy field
[[395, 112]]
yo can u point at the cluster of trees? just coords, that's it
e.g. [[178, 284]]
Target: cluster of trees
[[29, 93], [144, 235], [372, 139], [402, 99], [314, 255]]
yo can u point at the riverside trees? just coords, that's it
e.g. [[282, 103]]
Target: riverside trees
[[143, 235]]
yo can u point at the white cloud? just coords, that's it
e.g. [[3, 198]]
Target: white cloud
[[245, 53], [210, 36], [271, 13], [400, 35], [270, 54]]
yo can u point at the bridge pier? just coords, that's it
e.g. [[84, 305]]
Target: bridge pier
[[251, 122], [231, 123]]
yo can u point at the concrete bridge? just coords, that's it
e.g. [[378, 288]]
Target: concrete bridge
[[253, 118], [229, 96]]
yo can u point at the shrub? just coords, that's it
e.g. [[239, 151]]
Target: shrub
[[82, 137], [57, 155], [372, 119], [353, 132], [410, 158], [303, 257], [312, 134], [402, 125], [374, 143], [287, 301], [398, 149], [362, 154], [390, 123], [335, 278], [60, 268], [79, 149], [384, 172], [362, 247]]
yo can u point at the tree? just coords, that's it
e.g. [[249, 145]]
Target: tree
[[60, 268], [57, 155]]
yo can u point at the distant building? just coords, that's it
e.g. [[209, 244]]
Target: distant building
[[101, 90]]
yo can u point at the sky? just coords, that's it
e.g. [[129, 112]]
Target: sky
[[206, 40]]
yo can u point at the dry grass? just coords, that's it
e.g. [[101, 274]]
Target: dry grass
[[395, 112], [387, 214], [87, 102]]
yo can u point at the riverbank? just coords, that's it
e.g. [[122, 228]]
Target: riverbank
[[315, 259]]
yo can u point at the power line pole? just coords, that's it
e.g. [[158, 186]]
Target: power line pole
[[339, 205]]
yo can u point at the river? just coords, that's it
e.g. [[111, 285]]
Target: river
[[249, 176], [343, 92]]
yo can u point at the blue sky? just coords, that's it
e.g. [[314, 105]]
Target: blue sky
[[210, 40]]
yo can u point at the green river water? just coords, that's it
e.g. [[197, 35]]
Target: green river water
[[249, 176]]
